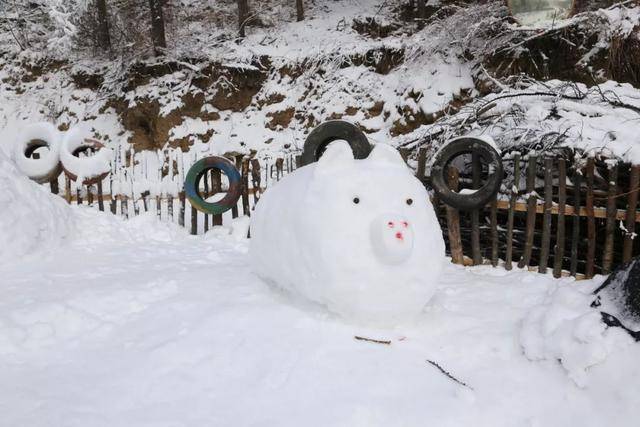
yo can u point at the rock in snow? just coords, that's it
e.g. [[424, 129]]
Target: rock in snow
[[358, 236]]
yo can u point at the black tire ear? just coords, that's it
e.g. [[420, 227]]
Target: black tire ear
[[330, 131], [450, 151]]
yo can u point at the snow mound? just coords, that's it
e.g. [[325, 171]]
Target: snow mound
[[565, 328], [357, 236], [31, 219]]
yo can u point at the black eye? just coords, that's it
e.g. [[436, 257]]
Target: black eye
[[409, 202], [356, 200]]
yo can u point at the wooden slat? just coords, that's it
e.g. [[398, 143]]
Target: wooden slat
[[100, 197], [124, 206], [216, 187], [610, 227], [194, 221], [246, 210], [531, 213], [512, 209], [546, 219], [591, 223], [182, 198], [632, 204], [453, 221], [476, 253], [575, 238], [494, 232], [256, 179], [560, 229]]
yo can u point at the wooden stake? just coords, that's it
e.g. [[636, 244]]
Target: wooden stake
[[531, 213], [546, 219], [591, 223], [575, 236], [453, 221], [100, 200], [246, 210], [279, 162], [255, 180], [607, 258], [512, 207], [562, 201], [632, 204], [494, 231], [216, 187], [475, 214], [194, 221], [182, 198]]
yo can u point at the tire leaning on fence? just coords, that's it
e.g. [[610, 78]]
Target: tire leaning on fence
[[330, 131], [46, 166], [91, 169], [198, 170], [457, 147]]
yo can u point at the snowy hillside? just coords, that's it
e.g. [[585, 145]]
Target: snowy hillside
[[364, 61]]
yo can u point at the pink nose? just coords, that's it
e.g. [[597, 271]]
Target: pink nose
[[391, 238], [399, 235]]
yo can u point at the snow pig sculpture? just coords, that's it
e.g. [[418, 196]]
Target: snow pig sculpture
[[358, 236]]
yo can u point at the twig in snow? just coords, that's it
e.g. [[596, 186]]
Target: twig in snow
[[372, 340], [447, 374]]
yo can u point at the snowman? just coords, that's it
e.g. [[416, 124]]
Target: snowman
[[358, 236]]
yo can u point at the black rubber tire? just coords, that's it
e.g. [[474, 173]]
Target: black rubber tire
[[330, 131], [453, 149]]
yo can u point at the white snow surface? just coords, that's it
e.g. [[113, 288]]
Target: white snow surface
[[354, 240], [137, 323]]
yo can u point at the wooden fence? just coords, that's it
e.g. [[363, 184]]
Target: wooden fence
[[568, 217]]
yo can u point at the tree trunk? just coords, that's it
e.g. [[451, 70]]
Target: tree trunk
[[422, 9], [243, 16], [104, 40], [157, 27], [299, 10]]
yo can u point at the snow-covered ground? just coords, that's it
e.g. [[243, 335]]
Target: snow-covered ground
[[136, 323]]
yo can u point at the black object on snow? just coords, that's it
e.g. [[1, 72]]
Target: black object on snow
[[330, 131], [624, 282], [458, 147], [622, 288]]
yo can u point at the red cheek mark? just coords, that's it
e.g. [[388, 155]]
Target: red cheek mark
[[390, 224], [399, 235], [405, 223]]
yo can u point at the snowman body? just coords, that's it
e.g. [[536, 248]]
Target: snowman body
[[357, 236]]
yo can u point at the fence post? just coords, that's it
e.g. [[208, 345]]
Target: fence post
[[610, 227], [476, 169], [591, 223], [531, 212], [546, 219], [632, 203], [453, 221], [562, 201], [512, 208], [575, 236]]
